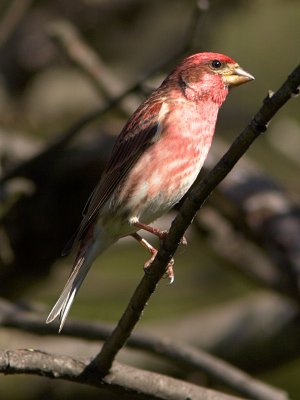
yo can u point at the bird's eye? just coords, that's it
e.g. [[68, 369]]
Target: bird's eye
[[216, 64]]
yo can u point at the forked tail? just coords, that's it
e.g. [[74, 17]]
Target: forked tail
[[86, 255]]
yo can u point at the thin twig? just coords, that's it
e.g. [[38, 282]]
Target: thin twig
[[195, 199], [121, 380], [68, 38]]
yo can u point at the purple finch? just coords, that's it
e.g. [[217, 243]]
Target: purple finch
[[155, 160]]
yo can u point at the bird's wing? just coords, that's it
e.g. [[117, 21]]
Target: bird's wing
[[142, 130]]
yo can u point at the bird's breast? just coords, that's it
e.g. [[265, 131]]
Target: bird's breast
[[168, 168]]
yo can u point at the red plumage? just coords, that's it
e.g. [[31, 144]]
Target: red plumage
[[155, 160]]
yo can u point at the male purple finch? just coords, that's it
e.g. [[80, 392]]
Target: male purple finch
[[155, 160]]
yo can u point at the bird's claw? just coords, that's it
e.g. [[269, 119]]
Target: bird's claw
[[169, 270], [183, 241]]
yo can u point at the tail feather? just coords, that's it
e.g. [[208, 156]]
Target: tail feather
[[86, 255], [63, 304]]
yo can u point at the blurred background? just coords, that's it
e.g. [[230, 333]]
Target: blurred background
[[236, 290]]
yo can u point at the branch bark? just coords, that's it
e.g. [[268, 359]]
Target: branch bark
[[121, 379], [174, 351], [271, 337]]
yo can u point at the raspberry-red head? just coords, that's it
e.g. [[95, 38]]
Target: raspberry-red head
[[204, 75]]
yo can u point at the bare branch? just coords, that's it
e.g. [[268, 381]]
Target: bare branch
[[66, 34], [178, 352], [271, 319], [194, 200], [121, 379], [15, 12], [68, 39]]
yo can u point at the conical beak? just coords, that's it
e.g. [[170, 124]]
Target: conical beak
[[237, 77]]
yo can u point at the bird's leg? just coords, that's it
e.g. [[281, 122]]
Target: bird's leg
[[153, 252], [157, 232], [151, 229]]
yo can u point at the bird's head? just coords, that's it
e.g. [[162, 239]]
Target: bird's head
[[205, 75]]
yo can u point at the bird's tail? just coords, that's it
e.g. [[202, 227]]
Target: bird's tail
[[85, 257]]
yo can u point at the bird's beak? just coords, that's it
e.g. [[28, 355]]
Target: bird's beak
[[237, 76]]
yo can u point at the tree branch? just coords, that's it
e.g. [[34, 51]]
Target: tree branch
[[272, 337], [69, 39], [174, 351], [121, 379], [194, 200], [14, 14]]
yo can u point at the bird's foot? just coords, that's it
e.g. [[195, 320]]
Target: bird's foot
[[169, 270], [183, 241], [152, 250]]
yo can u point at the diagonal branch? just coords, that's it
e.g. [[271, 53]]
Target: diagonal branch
[[67, 37], [195, 199], [121, 379], [12, 17]]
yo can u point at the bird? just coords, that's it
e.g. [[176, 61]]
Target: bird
[[154, 161]]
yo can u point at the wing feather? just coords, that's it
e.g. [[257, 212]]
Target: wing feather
[[141, 131]]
